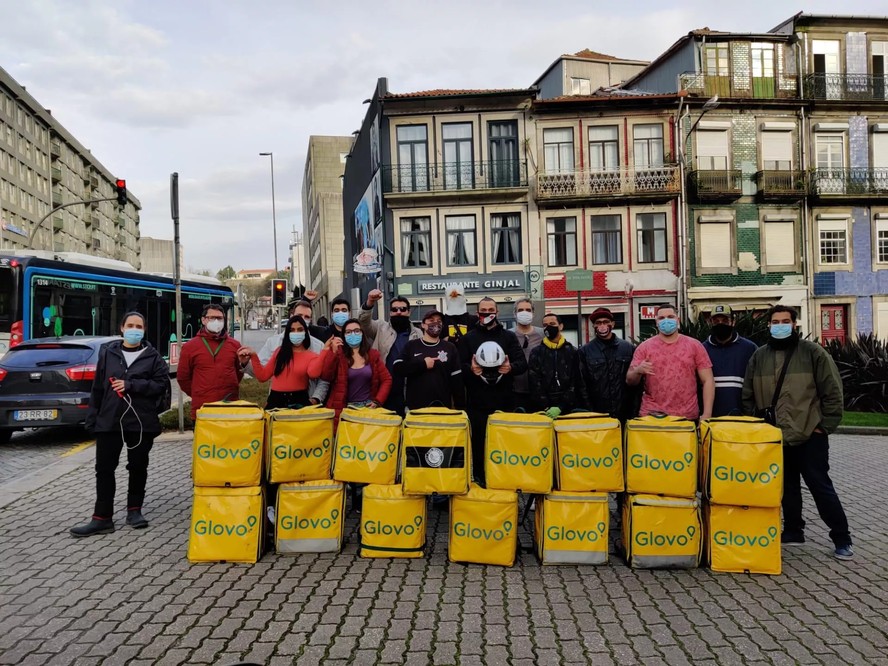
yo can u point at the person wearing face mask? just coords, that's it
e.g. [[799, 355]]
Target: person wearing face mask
[[808, 407], [604, 362], [210, 366], [730, 355], [554, 371], [340, 312], [390, 338], [529, 337], [430, 368], [671, 365], [130, 389]]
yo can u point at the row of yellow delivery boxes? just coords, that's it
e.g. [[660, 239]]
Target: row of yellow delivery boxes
[[569, 527], [735, 460]]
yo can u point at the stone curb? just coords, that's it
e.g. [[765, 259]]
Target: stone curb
[[861, 430]]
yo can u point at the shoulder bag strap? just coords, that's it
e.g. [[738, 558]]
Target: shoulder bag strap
[[781, 378]]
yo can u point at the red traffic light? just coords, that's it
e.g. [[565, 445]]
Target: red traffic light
[[121, 182], [120, 189]]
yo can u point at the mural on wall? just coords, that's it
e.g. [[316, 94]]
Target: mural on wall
[[368, 232]]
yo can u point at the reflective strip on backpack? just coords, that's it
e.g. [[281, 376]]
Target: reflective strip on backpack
[[574, 556], [307, 545]]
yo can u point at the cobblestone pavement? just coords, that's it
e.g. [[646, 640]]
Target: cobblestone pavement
[[131, 597], [34, 448]]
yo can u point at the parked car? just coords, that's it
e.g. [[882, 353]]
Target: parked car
[[47, 381]]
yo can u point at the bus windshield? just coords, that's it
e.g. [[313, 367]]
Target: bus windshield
[[8, 297]]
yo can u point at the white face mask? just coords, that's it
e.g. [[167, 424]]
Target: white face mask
[[524, 318], [215, 325]]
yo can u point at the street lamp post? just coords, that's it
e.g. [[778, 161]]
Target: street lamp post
[[273, 212]]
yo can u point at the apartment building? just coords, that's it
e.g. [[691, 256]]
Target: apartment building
[[43, 166], [584, 72]]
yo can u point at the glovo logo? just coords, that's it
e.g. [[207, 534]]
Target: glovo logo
[[388, 529], [296, 523], [498, 457], [740, 540], [469, 531], [352, 452], [578, 461], [647, 461], [725, 473], [561, 533], [212, 451], [290, 452], [649, 538], [213, 528]]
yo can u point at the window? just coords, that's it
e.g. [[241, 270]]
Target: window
[[460, 240], [607, 239], [604, 152], [651, 229], [833, 241], [647, 143], [717, 59], [712, 150], [880, 156], [762, 60], [505, 238], [580, 86], [714, 244], [413, 162], [779, 241], [416, 242], [777, 151], [562, 232], [503, 137], [830, 151], [882, 239], [558, 150], [458, 168]]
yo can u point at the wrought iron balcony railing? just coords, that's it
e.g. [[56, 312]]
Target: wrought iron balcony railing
[[781, 183], [717, 182], [592, 184], [846, 87], [454, 176], [734, 85], [850, 182]]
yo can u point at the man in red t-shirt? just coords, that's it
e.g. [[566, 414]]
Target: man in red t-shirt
[[671, 364]]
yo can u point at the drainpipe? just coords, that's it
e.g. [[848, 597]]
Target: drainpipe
[[807, 216], [682, 212]]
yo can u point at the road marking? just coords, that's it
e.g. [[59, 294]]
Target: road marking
[[77, 448]]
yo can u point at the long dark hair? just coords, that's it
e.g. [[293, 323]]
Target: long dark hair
[[285, 353], [363, 348]]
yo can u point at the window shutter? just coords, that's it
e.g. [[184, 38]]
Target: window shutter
[[776, 147], [715, 244], [832, 225], [780, 243], [712, 143], [882, 320], [880, 150]]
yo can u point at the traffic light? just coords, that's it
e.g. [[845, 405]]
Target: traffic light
[[278, 292], [120, 186]]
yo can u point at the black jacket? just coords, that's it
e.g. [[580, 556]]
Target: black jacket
[[603, 368], [481, 396], [554, 377], [147, 383]]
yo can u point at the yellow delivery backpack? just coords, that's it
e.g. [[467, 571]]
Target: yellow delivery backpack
[[392, 523], [661, 532], [309, 517], [299, 444], [484, 526], [661, 456], [571, 528], [519, 452], [227, 525], [743, 539], [741, 461], [228, 438], [435, 454], [367, 446], [590, 452]]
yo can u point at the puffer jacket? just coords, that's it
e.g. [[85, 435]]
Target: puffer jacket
[[335, 371], [482, 396], [603, 368], [811, 395], [147, 382], [554, 377]]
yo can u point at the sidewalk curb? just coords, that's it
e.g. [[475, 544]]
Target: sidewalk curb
[[17, 488], [861, 430]]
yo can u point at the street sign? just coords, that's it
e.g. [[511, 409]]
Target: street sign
[[578, 280], [174, 353], [648, 311]]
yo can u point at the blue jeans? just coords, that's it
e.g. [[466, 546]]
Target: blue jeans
[[810, 461]]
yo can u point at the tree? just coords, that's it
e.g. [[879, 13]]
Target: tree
[[253, 290], [227, 273]]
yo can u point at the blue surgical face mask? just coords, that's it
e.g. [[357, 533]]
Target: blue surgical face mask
[[339, 318], [667, 326], [297, 338], [354, 339], [133, 336], [781, 331]]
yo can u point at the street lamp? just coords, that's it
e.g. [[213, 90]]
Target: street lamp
[[273, 212]]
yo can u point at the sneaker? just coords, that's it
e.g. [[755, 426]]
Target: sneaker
[[792, 539], [135, 519], [844, 553], [94, 526]]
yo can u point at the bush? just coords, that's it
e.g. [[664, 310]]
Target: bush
[[863, 366], [250, 390]]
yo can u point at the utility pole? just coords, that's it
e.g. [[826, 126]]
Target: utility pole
[[177, 277]]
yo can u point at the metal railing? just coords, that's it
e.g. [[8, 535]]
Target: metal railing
[[590, 184], [850, 182], [774, 182], [717, 182], [454, 176], [733, 85], [846, 87]]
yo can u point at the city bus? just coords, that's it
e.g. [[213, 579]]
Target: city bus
[[45, 294]]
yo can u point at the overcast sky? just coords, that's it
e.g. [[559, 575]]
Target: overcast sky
[[202, 86]]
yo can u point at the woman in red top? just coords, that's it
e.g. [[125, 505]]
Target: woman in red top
[[290, 367]]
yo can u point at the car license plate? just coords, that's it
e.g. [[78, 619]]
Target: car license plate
[[35, 414]]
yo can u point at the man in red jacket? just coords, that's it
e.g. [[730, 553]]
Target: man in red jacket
[[210, 368]]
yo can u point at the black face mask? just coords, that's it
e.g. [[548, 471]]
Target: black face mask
[[551, 332], [400, 323], [722, 331]]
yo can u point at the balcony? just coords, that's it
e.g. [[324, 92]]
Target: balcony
[[736, 86], [587, 184], [716, 184], [850, 183], [91, 220], [424, 179], [57, 198], [55, 148], [846, 87], [56, 174], [781, 184], [58, 224]]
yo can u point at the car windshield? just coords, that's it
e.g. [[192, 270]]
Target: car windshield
[[42, 356]]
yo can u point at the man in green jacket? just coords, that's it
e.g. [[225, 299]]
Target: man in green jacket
[[809, 407]]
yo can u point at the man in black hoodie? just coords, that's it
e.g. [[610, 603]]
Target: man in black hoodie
[[484, 398]]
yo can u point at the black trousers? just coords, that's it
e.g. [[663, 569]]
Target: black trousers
[[810, 461], [108, 448], [478, 424], [291, 399]]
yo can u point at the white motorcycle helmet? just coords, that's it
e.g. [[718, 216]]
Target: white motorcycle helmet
[[490, 356]]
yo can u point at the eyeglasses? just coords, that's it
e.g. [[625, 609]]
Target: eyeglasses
[[398, 308]]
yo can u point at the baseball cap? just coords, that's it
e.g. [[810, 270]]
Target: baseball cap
[[432, 313], [721, 309]]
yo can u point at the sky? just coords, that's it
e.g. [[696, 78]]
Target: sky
[[201, 87]]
